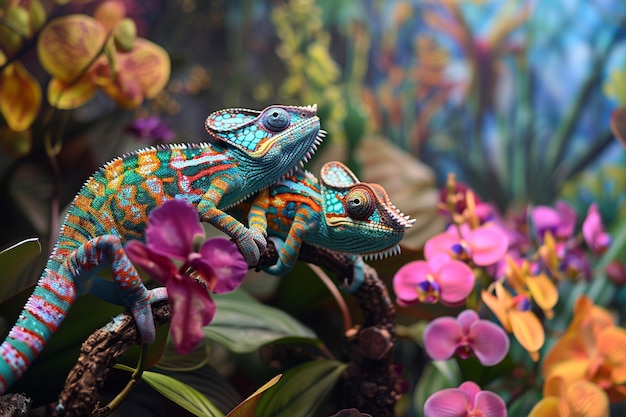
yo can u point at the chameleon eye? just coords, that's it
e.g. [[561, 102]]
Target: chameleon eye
[[276, 119], [359, 203]]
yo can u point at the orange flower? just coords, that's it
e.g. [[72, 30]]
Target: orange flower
[[591, 349], [580, 399], [516, 316], [83, 54]]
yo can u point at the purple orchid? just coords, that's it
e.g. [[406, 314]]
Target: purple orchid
[[151, 128], [466, 335], [560, 220], [593, 231], [217, 267], [465, 401], [439, 278]]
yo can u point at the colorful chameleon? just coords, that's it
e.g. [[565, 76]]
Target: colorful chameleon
[[338, 213], [251, 150]]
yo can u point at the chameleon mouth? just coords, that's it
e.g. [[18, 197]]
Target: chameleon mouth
[[390, 251]]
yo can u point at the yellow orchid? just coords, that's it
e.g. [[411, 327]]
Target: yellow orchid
[[592, 349], [579, 399], [516, 316], [539, 288]]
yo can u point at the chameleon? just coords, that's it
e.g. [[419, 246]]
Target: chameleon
[[249, 150], [337, 212]]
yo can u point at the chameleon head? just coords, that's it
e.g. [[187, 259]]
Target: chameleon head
[[274, 140], [359, 218]]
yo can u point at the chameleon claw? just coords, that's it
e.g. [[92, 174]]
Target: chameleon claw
[[251, 245]]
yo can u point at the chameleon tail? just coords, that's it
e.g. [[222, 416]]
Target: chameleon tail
[[56, 291], [43, 313]]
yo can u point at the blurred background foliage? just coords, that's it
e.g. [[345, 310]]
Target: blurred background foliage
[[515, 97], [495, 91]]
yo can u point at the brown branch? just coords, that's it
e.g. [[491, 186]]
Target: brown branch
[[370, 381]]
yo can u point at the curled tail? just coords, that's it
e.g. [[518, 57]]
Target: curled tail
[[42, 315]]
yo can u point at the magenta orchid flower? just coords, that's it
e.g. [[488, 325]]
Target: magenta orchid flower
[[217, 267], [465, 401], [484, 245], [560, 220], [466, 335], [439, 278], [593, 231]]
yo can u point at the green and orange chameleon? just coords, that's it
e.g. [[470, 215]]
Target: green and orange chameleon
[[336, 212], [250, 151]]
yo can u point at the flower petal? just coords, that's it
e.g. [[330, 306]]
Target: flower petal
[[593, 231], [456, 281], [489, 404], [227, 262], [488, 243], [547, 407], [172, 228], [442, 337], [489, 342], [586, 399], [466, 318], [450, 402], [543, 292], [527, 330], [192, 308], [612, 346], [440, 244], [159, 267], [406, 280]]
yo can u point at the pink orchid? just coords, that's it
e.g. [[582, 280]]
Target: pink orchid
[[560, 220], [465, 401], [217, 267], [439, 278], [593, 231], [484, 245], [466, 335]]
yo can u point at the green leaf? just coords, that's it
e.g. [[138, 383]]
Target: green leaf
[[437, 375], [243, 324], [184, 395], [248, 406], [13, 260], [301, 390]]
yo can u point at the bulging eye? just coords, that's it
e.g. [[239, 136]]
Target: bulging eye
[[276, 119], [359, 203]]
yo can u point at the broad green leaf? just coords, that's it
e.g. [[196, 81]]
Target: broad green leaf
[[243, 325], [20, 96], [248, 406], [13, 260], [184, 395], [67, 96], [301, 390], [69, 44]]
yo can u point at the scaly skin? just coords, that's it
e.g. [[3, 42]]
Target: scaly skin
[[339, 213], [251, 150]]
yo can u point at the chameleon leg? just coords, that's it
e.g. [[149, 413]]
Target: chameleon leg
[[105, 250], [251, 243], [288, 251]]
